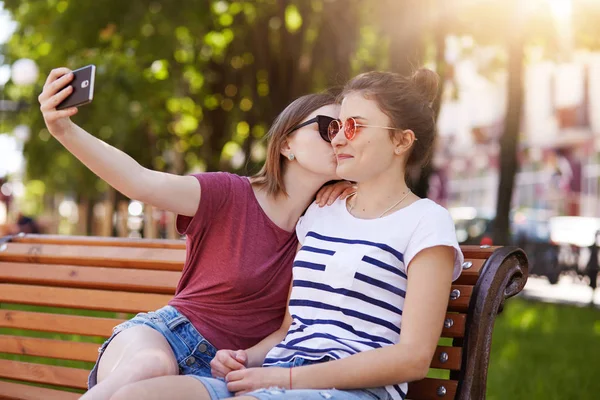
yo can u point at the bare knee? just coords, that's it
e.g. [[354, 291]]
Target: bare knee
[[133, 391], [138, 353], [150, 363]]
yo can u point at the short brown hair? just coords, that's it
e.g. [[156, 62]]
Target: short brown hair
[[270, 177], [407, 102]]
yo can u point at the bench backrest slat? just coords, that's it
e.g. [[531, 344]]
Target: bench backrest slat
[[58, 323], [86, 299]]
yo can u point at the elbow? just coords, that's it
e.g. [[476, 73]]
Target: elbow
[[420, 367], [140, 187]]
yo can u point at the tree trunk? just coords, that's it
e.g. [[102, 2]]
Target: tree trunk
[[421, 187], [510, 138]]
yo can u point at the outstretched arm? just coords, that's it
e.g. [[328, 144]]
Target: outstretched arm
[[179, 194]]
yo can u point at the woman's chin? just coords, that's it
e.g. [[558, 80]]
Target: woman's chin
[[345, 173]]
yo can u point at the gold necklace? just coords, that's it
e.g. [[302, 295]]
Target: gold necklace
[[351, 206]]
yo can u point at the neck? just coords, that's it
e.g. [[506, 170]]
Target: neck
[[375, 196], [301, 187]]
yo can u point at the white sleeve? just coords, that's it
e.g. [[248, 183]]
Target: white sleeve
[[435, 228], [305, 222]]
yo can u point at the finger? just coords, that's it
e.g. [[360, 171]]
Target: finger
[[61, 82], [236, 386], [235, 375], [215, 373], [52, 102], [348, 192], [241, 356], [56, 73], [233, 364], [335, 193], [69, 112], [324, 195]]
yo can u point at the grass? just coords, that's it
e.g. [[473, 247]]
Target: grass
[[545, 351], [539, 351]]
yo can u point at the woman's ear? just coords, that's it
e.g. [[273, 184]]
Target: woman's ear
[[285, 150], [403, 141]]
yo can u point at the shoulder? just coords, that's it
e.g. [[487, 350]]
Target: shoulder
[[223, 180], [429, 210]]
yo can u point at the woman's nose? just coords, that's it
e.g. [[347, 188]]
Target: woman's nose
[[338, 140]]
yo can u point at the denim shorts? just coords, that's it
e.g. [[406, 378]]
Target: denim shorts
[[217, 388], [192, 351]]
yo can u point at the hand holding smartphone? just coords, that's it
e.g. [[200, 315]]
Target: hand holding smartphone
[[83, 88]]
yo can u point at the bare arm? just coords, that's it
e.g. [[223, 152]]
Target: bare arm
[[179, 194], [429, 282]]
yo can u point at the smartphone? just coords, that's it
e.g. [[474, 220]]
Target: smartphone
[[83, 88]]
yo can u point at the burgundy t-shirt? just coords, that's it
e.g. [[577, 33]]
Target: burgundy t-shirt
[[238, 267]]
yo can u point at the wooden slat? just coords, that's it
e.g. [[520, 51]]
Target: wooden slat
[[461, 304], [62, 349], [146, 281], [457, 330], [39, 373], [101, 256], [427, 388], [100, 241], [9, 390], [57, 323], [470, 276], [86, 299], [454, 358]]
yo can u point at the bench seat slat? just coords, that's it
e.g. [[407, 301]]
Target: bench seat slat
[[61, 349], [86, 299], [101, 241], [39, 373], [102, 256], [146, 281], [427, 388], [58, 323], [10, 390]]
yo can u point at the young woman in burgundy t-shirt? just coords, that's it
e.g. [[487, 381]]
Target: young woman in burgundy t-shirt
[[240, 240]]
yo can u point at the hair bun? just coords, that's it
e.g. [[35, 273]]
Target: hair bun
[[427, 83]]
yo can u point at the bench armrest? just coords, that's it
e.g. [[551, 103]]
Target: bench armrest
[[504, 275]]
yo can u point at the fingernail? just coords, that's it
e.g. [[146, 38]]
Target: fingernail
[[330, 202]]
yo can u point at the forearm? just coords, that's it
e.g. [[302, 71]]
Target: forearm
[[381, 367], [111, 164], [257, 353]]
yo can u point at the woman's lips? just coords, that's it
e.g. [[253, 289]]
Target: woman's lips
[[341, 157]]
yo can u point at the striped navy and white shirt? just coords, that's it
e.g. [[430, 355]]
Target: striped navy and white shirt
[[349, 279]]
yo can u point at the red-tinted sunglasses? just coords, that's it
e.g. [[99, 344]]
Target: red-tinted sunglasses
[[322, 120], [350, 127]]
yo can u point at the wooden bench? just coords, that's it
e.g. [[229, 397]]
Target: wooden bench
[[47, 281]]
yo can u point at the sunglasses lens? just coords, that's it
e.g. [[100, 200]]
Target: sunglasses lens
[[324, 122], [350, 128], [333, 129]]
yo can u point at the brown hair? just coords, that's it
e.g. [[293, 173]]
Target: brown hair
[[407, 102], [270, 177]]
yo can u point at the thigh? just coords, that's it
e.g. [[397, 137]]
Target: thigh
[[136, 342], [165, 387]]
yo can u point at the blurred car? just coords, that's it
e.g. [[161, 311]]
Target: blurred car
[[473, 226]]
